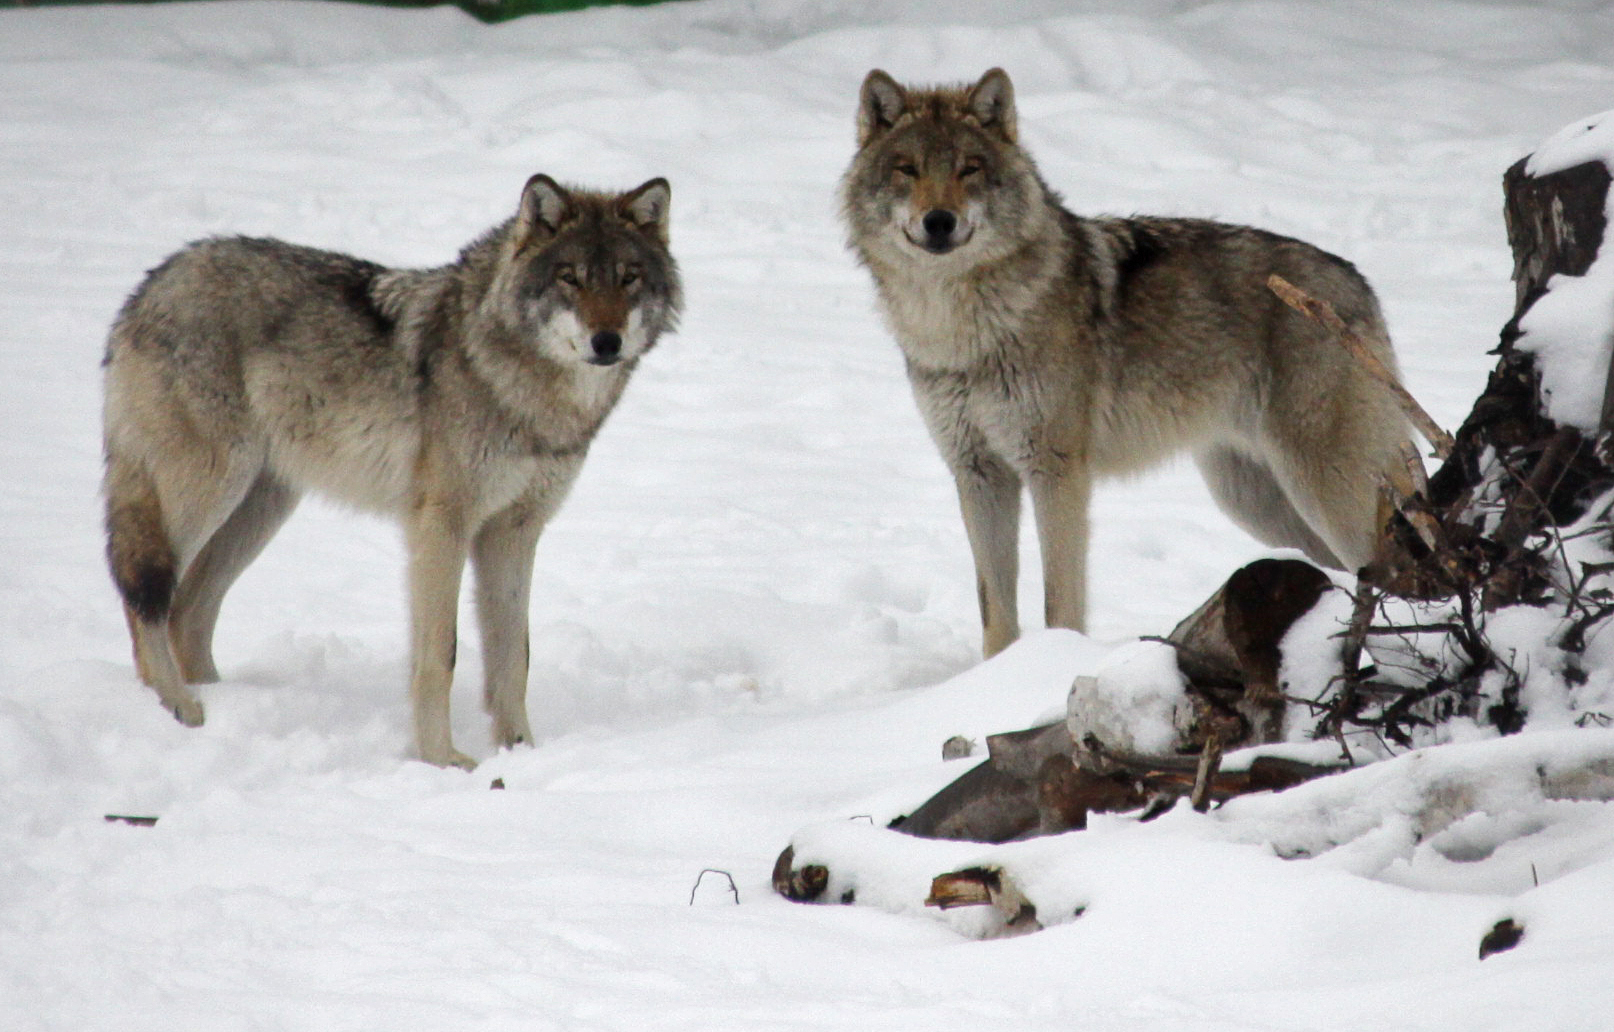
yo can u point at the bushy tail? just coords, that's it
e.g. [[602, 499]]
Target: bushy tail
[[137, 546]]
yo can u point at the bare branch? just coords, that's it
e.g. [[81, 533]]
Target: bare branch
[[1324, 313]]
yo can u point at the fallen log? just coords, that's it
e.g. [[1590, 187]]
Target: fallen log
[[1397, 805], [1046, 780]]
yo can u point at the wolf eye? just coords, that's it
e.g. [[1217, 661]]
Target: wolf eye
[[630, 276], [566, 274], [971, 166], [906, 168]]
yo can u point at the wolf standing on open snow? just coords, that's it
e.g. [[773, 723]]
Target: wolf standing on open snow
[[460, 399], [1045, 348]]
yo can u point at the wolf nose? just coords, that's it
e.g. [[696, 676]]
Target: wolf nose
[[607, 346], [939, 224]]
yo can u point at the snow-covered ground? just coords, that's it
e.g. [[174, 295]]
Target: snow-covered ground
[[756, 612]]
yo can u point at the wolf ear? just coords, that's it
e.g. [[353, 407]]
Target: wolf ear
[[545, 207], [991, 101], [648, 207], [879, 106]]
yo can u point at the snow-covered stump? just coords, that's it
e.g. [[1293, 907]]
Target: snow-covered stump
[[1520, 460], [1483, 613]]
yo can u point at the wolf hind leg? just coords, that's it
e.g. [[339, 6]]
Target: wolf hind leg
[[160, 515], [230, 550], [1250, 493], [144, 569]]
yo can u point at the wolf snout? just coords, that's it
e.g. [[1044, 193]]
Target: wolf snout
[[941, 231], [607, 345], [939, 223]]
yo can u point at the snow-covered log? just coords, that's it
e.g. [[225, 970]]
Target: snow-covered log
[[1362, 822]]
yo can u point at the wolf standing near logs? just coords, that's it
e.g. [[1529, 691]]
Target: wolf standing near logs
[[460, 399], [1045, 348]]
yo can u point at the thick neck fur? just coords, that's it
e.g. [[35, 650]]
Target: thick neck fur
[[955, 311], [454, 321]]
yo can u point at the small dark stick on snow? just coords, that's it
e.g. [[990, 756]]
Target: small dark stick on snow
[[139, 822]]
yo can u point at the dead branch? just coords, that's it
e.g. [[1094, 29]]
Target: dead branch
[[733, 888], [1210, 763], [1529, 503], [1175, 776], [1405, 496], [1324, 313], [986, 886]]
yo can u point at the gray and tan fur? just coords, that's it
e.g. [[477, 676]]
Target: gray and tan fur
[[460, 400], [1045, 348]]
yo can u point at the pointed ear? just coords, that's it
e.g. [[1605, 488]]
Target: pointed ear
[[545, 207], [879, 106], [991, 101], [648, 207]]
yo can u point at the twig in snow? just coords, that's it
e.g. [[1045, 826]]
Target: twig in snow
[[139, 822], [735, 889]]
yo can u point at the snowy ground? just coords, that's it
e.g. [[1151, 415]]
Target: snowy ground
[[756, 611]]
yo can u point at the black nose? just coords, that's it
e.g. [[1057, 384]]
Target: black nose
[[939, 224], [607, 346]]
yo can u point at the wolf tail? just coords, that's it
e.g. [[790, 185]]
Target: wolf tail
[[137, 546]]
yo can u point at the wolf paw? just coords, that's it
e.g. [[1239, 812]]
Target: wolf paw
[[452, 758], [507, 736], [187, 711]]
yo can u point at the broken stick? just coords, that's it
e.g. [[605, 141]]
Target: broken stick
[[1210, 764], [1324, 313]]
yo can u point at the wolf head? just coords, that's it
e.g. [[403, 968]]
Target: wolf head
[[589, 276], [939, 171]]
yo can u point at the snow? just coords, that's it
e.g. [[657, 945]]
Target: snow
[[754, 619], [1573, 310], [1137, 701]]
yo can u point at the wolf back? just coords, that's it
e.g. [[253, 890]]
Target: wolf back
[[460, 399], [1045, 348]]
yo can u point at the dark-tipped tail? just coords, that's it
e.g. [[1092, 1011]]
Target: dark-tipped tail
[[137, 547]]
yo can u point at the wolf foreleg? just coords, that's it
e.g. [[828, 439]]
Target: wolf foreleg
[[502, 559], [436, 563], [1059, 502], [989, 496]]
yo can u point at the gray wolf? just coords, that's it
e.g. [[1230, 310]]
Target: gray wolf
[[1045, 348], [460, 400]]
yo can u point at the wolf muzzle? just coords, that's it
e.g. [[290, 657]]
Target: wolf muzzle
[[607, 345]]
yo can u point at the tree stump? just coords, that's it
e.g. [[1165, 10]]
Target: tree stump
[[1555, 226]]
